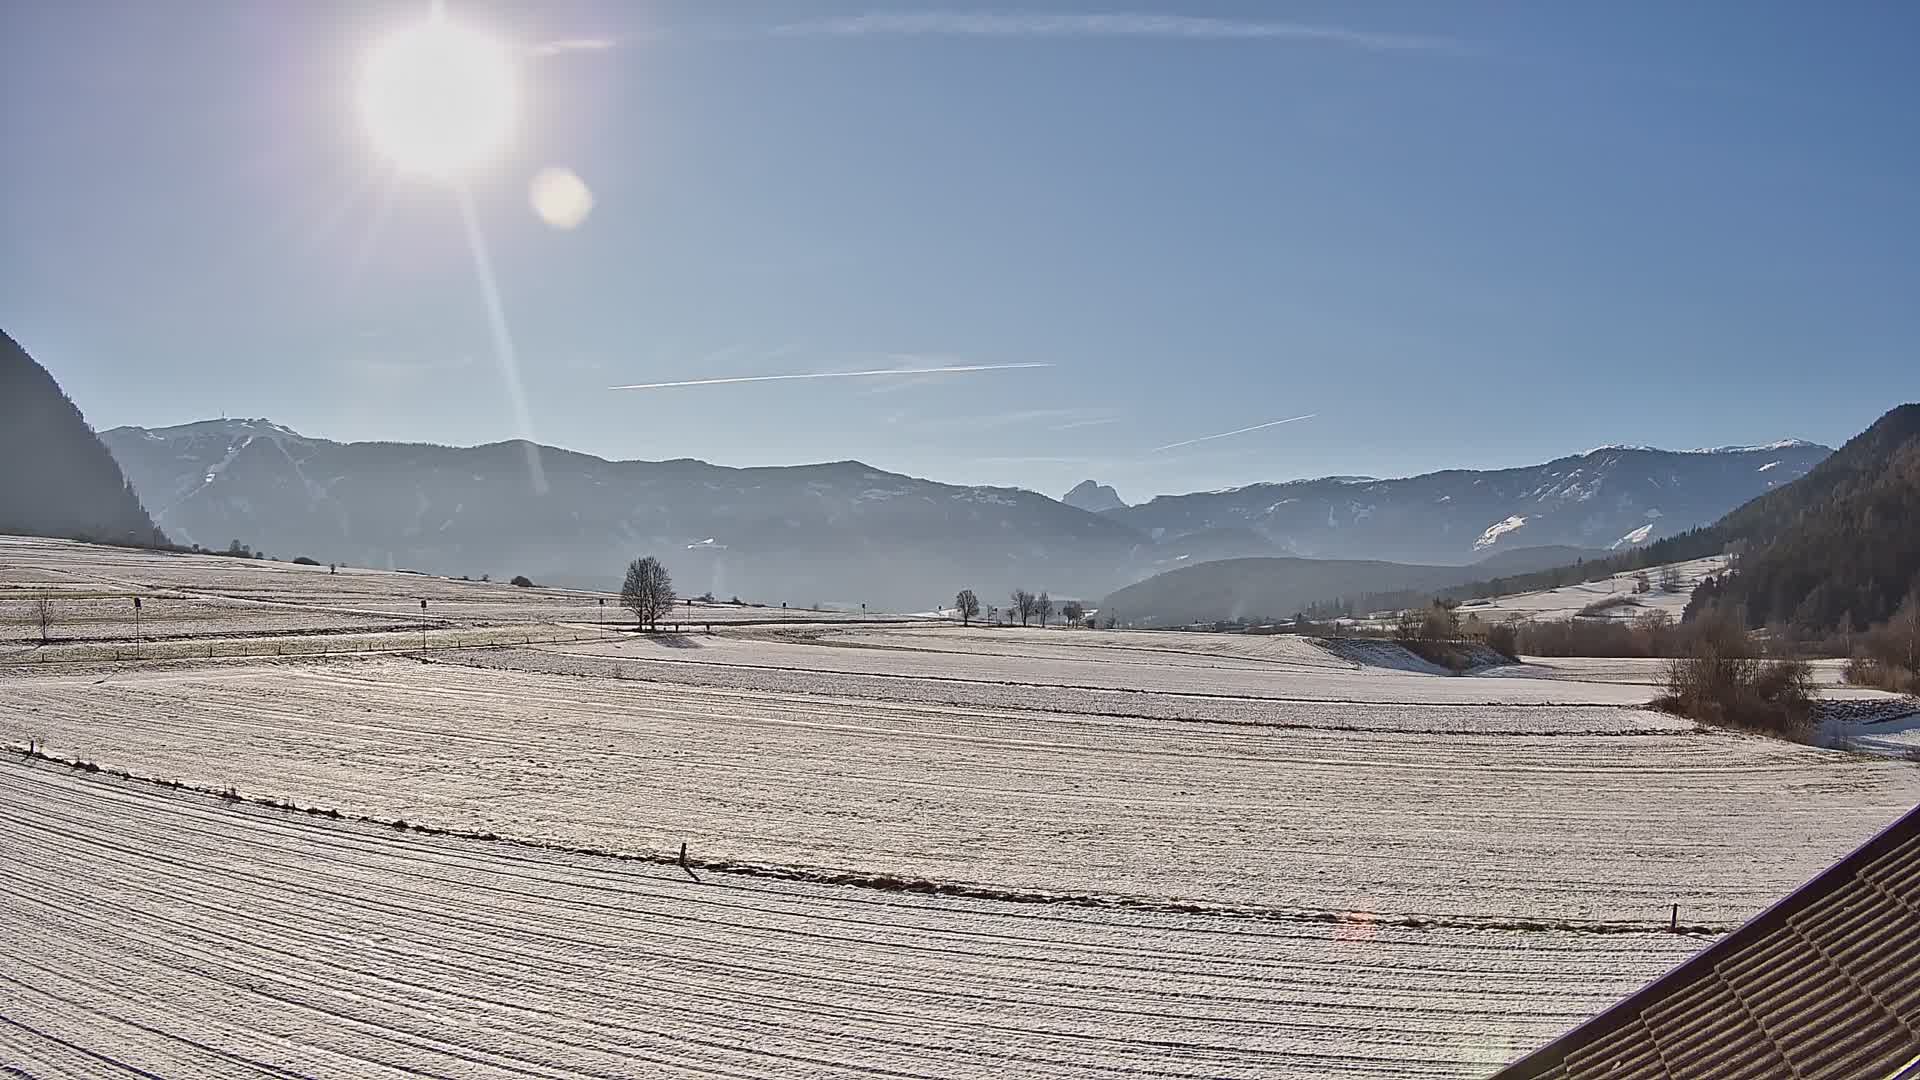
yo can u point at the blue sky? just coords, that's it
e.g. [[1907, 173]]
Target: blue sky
[[1459, 235]]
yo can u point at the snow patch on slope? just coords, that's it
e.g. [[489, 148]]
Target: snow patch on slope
[[1637, 536], [1498, 529]]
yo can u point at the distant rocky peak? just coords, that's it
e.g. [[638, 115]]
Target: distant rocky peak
[[1093, 498]]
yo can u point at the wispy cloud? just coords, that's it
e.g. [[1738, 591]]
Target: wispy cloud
[[1229, 434], [1092, 421], [572, 45], [732, 379], [1119, 25]]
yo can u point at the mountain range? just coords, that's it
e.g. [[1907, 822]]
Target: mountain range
[[1834, 553], [840, 533], [1609, 497], [847, 533]]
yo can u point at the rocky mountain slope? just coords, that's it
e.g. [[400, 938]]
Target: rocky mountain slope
[[58, 479], [1093, 497]]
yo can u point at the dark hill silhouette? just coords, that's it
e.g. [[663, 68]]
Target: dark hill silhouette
[[1840, 547], [58, 479]]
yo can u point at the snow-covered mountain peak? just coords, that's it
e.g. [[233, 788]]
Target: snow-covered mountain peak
[[1760, 448], [233, 428]]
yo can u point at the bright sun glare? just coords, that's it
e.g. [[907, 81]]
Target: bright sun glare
[[438, 98]]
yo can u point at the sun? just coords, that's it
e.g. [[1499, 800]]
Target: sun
[[439, 98]]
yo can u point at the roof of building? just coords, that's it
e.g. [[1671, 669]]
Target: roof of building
[[1823, 984]]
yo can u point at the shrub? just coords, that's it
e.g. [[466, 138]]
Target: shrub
[[1448, 654], [1435, 622], [1888, 656], [1504, 638], [302, 560], [1863, 670], [1606, 604], [1722, 681], [1652, 634], [522, 581]]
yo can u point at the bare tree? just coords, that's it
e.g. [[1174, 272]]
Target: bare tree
[[1670, 580], [967, 604], [1043, 607], [648, 591], [43, 615], [1903, 631], [1022, 605], [1073, 612]]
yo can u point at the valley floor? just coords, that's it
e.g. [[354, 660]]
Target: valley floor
[[924, 851]]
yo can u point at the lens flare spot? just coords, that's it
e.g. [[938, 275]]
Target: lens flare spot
[[560, 198]]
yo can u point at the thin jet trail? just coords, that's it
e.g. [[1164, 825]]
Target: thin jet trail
[[1236, 431]]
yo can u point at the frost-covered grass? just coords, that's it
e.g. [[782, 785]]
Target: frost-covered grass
[[1601, 814], [182, 935]]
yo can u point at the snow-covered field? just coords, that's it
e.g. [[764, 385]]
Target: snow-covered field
[[1596, 815], [1569, 600], [995, 852], [181, 936], [1296, 670], [202, 598]]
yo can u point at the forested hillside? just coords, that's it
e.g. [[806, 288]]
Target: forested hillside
[[58, 479], [1840, 548]]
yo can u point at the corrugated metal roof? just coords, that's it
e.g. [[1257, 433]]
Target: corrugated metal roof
[[1824, 984]]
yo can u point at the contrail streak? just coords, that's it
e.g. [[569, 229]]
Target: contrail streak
[[1111, 25], [828, 375], [1236, 431]]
